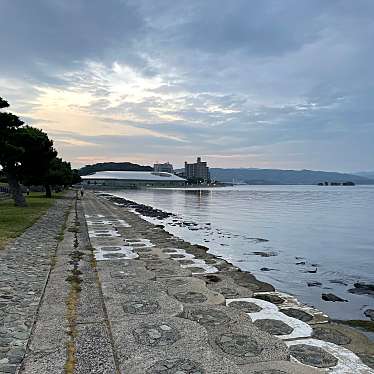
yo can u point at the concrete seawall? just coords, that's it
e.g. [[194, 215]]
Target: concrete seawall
[[124, 296]]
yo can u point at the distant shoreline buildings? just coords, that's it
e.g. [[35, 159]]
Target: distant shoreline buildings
[[198, 170], [166, 167]]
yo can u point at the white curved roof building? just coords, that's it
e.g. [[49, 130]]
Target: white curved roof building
[[132, 179]]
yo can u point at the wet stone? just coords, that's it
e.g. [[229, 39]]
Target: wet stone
[[245, 306], [208, 317], [190, 297], [141, 307], [298, 314], [313, 356], [273, 326], [331, 336], [176, 366], [238, 345], [156, 334], [270, 298]]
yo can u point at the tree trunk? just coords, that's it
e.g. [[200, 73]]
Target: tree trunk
[[15, 190], [48, 192]]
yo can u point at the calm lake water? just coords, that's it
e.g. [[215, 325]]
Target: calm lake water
[[328, 228]]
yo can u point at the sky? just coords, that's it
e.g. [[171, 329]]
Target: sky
[[244, 83]]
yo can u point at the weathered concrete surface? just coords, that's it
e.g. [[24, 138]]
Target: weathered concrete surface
[[24, 268], [153, 311], [71, 333], [149, 297]]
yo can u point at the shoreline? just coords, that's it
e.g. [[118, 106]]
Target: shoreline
[[284, 316], [122, 294], [151, 214]]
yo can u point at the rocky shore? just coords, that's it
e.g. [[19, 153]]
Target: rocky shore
[[122, 295], [251, 326]]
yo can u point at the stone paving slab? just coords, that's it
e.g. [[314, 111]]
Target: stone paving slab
[[248, 280], [224, 284], [278, 367], [327, 356], [128, 306], [152, 335], [344, 336], [131, 286], [194, 291], [193, 361], [245, 344], [214, 316]]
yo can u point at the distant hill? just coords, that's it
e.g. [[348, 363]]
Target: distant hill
[[112, 166], [275, 176], [366, 174]]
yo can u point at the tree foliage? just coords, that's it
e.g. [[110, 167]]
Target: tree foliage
[[27, 155]]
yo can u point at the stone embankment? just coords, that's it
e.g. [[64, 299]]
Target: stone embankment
[[25, 265], [125, 296]]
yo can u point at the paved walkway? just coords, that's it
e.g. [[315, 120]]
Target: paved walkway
[[24, 268], [124, 296]]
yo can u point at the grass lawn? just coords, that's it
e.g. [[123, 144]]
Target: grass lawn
[[15, 220]]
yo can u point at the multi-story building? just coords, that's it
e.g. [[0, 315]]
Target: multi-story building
[[198, 170], [163, 168]]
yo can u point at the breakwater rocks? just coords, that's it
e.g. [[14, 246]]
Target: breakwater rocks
[[144, 210], [174, 308]]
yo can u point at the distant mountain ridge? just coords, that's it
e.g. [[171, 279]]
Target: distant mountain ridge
[[248, 175], [366, 174], [277, 176], [112, 166]]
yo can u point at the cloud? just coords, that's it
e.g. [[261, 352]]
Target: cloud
[[283, 83]]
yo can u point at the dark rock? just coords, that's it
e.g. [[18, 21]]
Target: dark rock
[[338, 281], [264, 254], [311, 271], [332, 297], [177, 365], [245, 306], [362, 289], [270, 298], [330, 335], [369, 313], [300, 263], [273, 326], [190, 297], [314, 284], [206, 317], [266, 269], [238, 345], [313, 356], [297, 313]]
